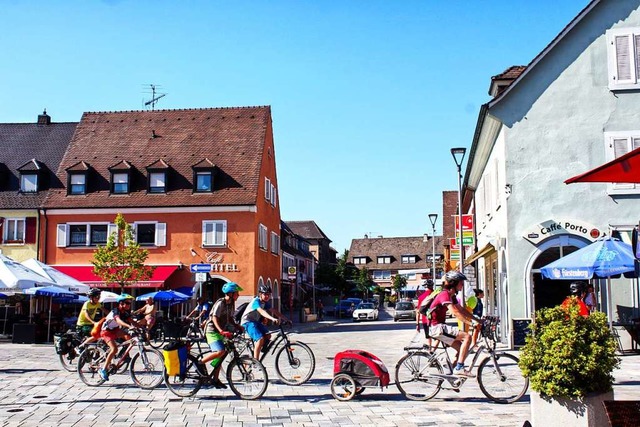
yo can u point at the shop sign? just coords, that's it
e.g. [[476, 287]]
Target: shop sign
[[292, 272], [554, 227], [467, 229]]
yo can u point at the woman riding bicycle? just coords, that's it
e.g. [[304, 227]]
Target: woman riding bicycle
[[253, 314], [220, 325], [112, 329]]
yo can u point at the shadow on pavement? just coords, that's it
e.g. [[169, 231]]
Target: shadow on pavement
[[24, 371]]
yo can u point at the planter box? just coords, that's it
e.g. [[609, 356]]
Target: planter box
[[586, 412]]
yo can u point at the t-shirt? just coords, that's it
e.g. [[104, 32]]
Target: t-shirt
[[91, 310], [583, 309], [224, 312], [440, 305], [204, 308], [421, 299], [111, 324], [251, 312]]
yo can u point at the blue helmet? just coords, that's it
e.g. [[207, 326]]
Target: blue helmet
[[124, 297], [230, 287]]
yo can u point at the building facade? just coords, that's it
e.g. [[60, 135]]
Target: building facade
[[571, 109]]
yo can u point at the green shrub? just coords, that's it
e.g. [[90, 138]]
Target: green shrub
[[568, 355]]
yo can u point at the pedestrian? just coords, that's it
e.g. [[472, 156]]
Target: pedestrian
[[578, 291], [590, 299], [320, 309], [422, 318]]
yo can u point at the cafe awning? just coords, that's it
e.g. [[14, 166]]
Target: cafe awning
[[486, 250], [84, 273], [624, 169]]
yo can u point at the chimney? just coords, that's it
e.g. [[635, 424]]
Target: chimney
[[44, 118]]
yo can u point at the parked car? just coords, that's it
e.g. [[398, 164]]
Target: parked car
[[365, 311], [405, 310], [344, 308]]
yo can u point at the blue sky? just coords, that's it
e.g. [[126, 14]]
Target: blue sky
[[367, 96]]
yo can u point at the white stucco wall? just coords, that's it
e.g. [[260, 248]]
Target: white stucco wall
[[555, 119]]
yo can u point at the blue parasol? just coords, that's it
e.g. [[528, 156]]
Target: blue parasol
[[164, 296], [601, 259], [51, 292]]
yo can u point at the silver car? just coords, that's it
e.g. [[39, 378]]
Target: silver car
[[405, 310]]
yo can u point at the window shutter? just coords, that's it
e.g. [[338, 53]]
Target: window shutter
[[1, 229], [267, 189], [620, 148], [161, 234], [30, 229], [112, 229], [204, 233], [221, 233], [61, 240], [623, 59]]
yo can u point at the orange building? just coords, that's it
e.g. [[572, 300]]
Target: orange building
[[199, 186]]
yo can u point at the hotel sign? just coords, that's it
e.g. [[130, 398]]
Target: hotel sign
[[554, 227]]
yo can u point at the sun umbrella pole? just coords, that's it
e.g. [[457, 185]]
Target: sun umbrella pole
[[609, 303], [49, 324]]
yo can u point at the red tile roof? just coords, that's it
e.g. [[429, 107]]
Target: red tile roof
[[232, 139]]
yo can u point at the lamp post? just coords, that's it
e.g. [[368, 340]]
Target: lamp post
[[433, 218], [458, 156]]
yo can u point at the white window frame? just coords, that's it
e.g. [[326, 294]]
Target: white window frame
[[408, 259], [15, 238], [214, 233], [386, 259], [121, 178], [381, 274], [267, 189], [617, 144], [78, 179], [359, 260], [275, 243], [63, 236], [273, 195], [29, 186], [160, 181], [262, 237], [623, 55], [208, 189]]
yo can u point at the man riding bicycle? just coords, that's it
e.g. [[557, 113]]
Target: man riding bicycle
[[89, 314], [451, 335], [117, 322], [221, 325], [252, 319]]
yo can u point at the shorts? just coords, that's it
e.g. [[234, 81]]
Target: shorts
[[111, 334], [255, 330], [151, 320], [445, 333], [84, 330], [215, 341]]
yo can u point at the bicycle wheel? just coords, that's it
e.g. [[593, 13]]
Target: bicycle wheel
[[247, 377], [185, 385], [295, 363], [501, 379], [157, 338], [343, 387], [89, 362], [69, 361], [414, 376], [146, 368]]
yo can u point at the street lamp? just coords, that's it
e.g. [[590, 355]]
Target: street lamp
[[433, 218], [458, 157]]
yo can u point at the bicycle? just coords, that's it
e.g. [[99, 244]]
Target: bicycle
[[145, 367], [294, 360], [420, 374], [246, 376]]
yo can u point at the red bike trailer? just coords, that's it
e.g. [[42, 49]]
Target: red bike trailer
[[353, 370]]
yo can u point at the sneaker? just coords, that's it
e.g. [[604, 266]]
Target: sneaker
[[103, 374], [463, 373]]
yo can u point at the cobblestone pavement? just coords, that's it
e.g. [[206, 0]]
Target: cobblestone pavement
[[35, 391]]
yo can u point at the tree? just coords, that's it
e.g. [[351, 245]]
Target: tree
[[399, 282], [122, 260], [343, 274], [363, 281]]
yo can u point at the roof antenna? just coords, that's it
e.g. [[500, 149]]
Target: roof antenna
[[154, 97]]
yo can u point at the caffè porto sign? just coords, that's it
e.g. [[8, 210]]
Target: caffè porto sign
[[554, 227]]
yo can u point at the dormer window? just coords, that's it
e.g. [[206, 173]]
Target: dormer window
[[157, 177], [77, 178], [78, 183], [408, 259], [360, 260], [384, 259], [29, 183], [203, 176], [30, 176], [121, 178]]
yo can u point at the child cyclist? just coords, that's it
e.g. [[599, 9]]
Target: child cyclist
[[220, 325]]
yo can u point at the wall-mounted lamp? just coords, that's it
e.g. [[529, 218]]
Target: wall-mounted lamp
[[180, 265], [193, 252], [507, 190]]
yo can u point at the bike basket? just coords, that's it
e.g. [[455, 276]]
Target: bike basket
[[175, 358]]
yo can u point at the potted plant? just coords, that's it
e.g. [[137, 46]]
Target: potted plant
[[569, 360]]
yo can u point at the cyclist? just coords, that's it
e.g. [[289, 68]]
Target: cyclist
[[112, 329], [221, 324], [451, 335], [201, 312], [578, 292], [251, 318], [88, 314], [420, 318], [149, 312]]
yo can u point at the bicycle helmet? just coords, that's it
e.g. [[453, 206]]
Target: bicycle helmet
[[94, 292], [124, 297], [577, 288], [454, 276], [429, 284], [230, 287], [264, 289]]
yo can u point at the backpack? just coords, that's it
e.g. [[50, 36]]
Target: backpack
[[237, 315], [425, 309]]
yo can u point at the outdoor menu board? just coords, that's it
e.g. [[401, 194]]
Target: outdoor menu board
[[520, 330]]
